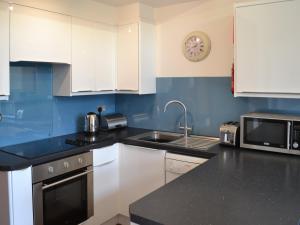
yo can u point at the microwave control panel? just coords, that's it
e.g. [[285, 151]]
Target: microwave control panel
[[295, 136]]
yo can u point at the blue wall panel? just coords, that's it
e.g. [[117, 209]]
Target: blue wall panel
[[209, 102], [32, 112]]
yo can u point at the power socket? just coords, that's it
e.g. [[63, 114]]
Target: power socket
[[103, 107]]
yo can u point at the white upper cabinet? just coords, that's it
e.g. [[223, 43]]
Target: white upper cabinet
[[4, 53], [128, 58], [105, 46], [83, 55], [267, 49], [39, 36], [136, 58], [93, 60]]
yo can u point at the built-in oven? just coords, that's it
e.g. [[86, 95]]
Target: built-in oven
[[63, 191], [271, 132]]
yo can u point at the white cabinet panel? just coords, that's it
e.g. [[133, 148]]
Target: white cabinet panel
[[267, 46], [177, 165], [136, 58], [4, 46], [39, 36], [128, 57], [141, 172], [105, 184], [21, 209], [147, 80], [105, 55], [93, 61], [83, 56]]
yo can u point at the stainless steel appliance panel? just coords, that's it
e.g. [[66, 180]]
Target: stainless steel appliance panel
[[64, 193]]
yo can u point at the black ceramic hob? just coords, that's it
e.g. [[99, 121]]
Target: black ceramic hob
[[37, 149]]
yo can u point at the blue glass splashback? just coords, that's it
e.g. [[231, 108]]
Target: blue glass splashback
[[32, 112], [209, 102]]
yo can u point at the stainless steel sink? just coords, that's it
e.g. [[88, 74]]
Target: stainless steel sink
[[158, 137], [175, 139]]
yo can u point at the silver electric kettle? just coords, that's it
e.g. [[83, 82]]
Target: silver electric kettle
[[91, 123]]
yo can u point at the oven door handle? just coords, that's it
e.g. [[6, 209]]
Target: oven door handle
[[44, 187]]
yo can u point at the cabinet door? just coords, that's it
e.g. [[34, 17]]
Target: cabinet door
[[175, 169], [105, 184], [105, 57], [267, 48], [4, 46], [141, 172], [147, 77], [21, 197], [128, 57], [83, 56], [39, 36]]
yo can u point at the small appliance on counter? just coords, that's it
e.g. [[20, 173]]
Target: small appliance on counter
[[113, 121], [271, 132], [91, 124], [230, 134]]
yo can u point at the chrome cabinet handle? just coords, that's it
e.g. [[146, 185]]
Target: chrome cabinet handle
[[65, 180]]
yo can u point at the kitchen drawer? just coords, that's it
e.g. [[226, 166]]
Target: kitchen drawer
[[179, 167], [105, 155]]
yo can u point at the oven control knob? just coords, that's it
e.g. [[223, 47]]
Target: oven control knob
[[50, 169], [295, 145], [66, 165], [80, 161]]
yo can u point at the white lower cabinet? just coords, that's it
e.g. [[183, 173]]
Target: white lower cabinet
[[141, 172], [177, 165], [16, 197], [106, 184], [122, 175]]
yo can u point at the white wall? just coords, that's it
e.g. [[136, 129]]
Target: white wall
[[215, 17]]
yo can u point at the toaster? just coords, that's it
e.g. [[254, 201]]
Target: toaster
[[230, 134], [113, 121]]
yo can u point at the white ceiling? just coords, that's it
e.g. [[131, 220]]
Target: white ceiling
[[153, 3]]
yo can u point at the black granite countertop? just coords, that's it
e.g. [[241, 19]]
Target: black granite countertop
[[16, 157], [236, 187]]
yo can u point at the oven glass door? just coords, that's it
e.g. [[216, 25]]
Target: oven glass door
[[266, 132], [66, 203], [65, 199]]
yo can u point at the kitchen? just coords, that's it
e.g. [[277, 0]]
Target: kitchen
[[162, 99]]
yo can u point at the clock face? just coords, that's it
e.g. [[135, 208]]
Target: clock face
[[196, 46]]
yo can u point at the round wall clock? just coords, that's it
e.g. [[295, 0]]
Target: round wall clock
[[196, 46]]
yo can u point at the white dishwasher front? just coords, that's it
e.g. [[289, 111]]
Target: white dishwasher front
[[177, 165]]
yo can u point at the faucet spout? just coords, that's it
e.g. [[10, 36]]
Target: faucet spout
[[185, 114]]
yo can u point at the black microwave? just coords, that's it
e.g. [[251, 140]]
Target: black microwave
[[270, 132]]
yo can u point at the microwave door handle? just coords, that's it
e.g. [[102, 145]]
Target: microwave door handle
[[65, 180], [288, 135]]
